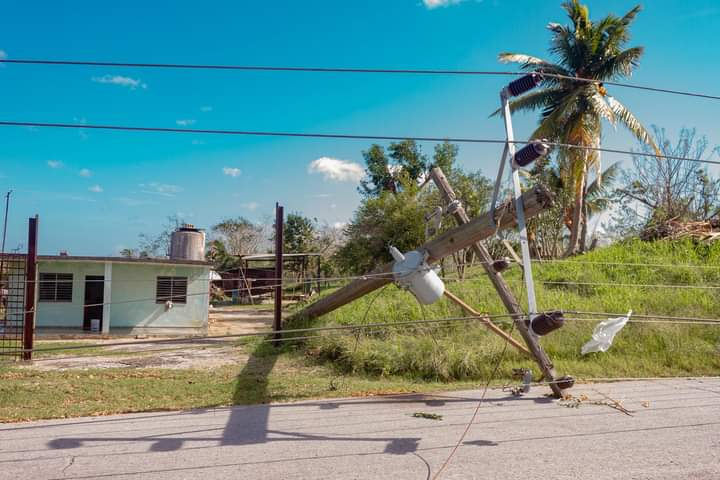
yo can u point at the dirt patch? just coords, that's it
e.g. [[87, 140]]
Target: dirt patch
[[234, 320], [191, 358]]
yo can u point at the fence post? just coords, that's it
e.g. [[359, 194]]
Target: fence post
[[277, 321], [30, 277]]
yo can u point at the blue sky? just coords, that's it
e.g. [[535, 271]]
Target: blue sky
[[96, 191]]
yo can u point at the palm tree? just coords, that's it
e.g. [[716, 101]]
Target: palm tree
[[571, 112]]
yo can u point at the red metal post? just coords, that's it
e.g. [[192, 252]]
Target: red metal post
[[277, 321], [30, 277]]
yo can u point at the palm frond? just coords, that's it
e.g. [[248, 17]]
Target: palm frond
[[628, 18], [627, 118], [621, 64], [599, 105], [535, 100]]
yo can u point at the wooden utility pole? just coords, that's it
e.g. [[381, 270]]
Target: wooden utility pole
[[277, 320], [30, 277], [496, 278], [536, 200]]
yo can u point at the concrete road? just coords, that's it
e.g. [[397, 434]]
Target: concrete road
[[673, 433]]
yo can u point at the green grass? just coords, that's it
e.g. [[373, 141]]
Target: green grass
[[469, 352], [31, 394]]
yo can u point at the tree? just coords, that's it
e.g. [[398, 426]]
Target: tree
[[299, 234], [388, 171], [546, 231], [239, 235], [397, 216], [154, 246], [659, 189], [572, 111], [387, 219]]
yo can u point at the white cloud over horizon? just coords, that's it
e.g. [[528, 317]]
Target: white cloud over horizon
[[95, 189], [337, 170], [250, 205], [131, 83], [185, 123], [231, 171], [430, 4], [54, 163], [84, 172], [3, 54]]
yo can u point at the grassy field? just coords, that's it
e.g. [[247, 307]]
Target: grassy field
[[467, 351], [422, 359]]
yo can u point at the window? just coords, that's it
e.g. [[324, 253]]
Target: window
[[56, 287], [171, 288]]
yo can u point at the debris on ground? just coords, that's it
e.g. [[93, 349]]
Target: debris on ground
[[674, 229], [429, 416], [571, 401]]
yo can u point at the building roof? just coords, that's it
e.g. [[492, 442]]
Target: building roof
[[271, 256], [153, 261]]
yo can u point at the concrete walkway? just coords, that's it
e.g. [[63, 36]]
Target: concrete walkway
[[673, 433]]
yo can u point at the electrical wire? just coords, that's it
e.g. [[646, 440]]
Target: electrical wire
[[477, 408], [634, 285], [7, 123], [396, 71]]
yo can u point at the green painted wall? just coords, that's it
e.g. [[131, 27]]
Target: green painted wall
[[132, 296], [63, 314], [137, 281]]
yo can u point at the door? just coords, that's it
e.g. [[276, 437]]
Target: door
[[94, 294]]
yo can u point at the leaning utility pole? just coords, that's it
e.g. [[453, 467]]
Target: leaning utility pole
[[535, 201], [454, 207]]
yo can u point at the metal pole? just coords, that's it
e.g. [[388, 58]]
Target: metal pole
[[2, 248], [30, 277], [519, 209], [277, 321]]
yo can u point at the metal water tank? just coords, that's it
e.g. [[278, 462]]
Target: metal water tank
[[187, 243]]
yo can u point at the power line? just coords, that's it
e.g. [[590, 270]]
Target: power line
[[355, 70], [344, 136]]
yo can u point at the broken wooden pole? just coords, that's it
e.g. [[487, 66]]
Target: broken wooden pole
[[497, 280], [486, 321], [536, 200]]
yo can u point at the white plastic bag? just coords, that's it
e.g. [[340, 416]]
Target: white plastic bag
[[604, 334]]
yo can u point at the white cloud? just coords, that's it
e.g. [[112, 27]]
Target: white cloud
[[3, 55], [206, 108], [250, 205], [337, 170], [164, 189], [131, 83], [54, 163], [95, 189], [333, 206], [84, 172], [231, 171], [321, 195], [430, 4], [339, 225], [185, 123]]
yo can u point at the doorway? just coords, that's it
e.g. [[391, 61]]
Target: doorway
[[94, 297]]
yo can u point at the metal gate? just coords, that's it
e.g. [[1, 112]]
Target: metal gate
[[13, 286]]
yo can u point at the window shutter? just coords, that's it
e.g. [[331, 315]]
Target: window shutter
[[171, 288]]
